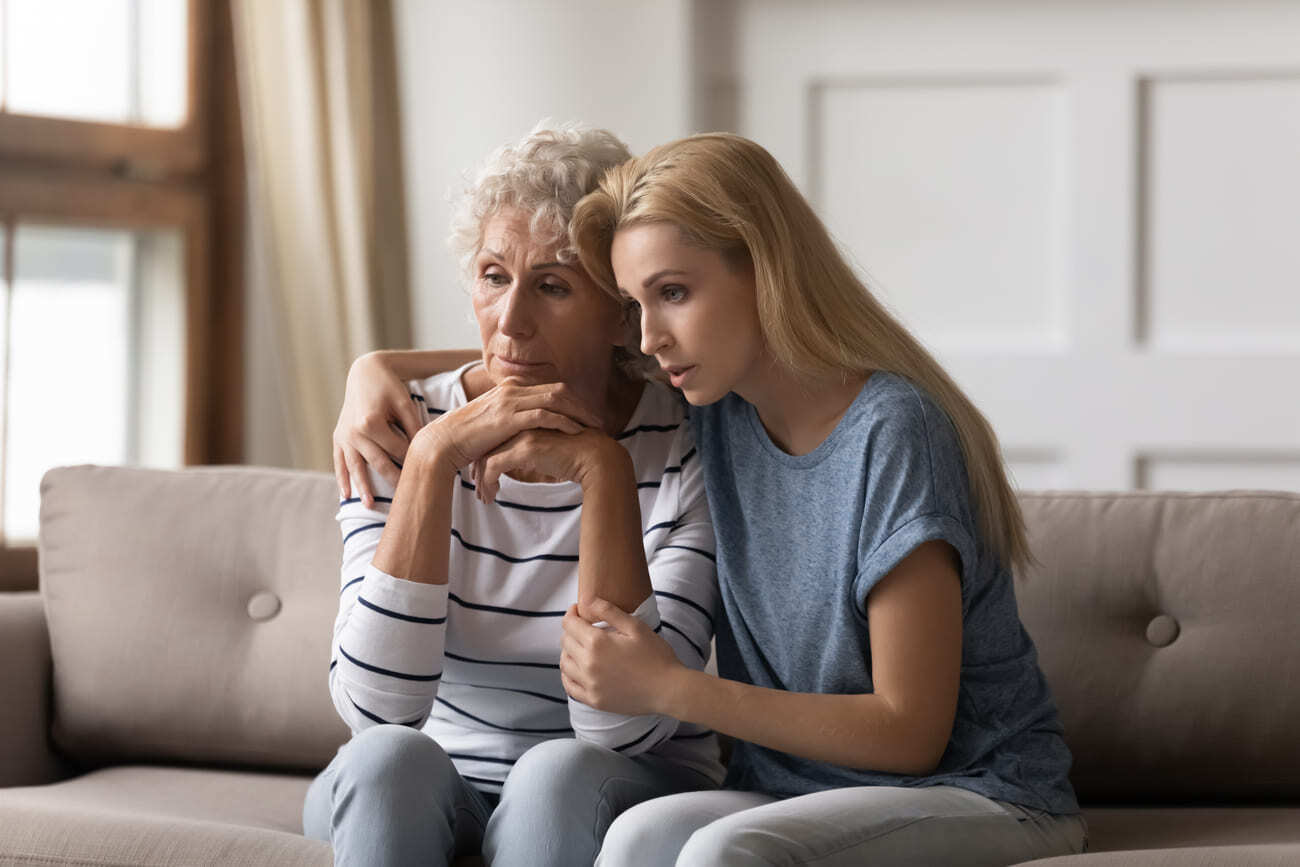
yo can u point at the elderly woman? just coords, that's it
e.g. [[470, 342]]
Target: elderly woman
[[546, 474]]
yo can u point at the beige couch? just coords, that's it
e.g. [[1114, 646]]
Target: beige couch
[[163, 700]]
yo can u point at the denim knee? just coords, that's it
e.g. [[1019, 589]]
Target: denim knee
[[555, 766], [728, 842], [635, 837], [392, 756]]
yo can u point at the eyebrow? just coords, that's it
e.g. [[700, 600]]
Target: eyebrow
[[659, 275], [493, 254]]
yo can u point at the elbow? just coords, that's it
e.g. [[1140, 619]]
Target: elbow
[[923, 759], [913, 746]]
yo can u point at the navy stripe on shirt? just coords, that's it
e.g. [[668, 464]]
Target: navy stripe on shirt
[[646, 428], [478, 719], [398, 615], [560, 558], [351, 500], [469, 486], [520, 612], [459, 658], [671, 525], [689, 548], [350, 583], [385, 671], [540, 695], [377, 718], [629, 746], [684, 636], [490, 759], [677, 469], [362, 530], [682, 599]]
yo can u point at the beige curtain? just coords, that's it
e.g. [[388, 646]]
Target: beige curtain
[[318, 86]]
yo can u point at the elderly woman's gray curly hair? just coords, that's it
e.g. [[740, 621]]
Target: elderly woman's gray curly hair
[[544, 175]]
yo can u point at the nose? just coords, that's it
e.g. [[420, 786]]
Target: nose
[[654, 337], [515, 319]]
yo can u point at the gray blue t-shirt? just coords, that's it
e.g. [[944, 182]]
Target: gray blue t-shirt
[[802, 540]]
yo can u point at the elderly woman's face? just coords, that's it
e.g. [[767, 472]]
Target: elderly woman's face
[[539, 320]]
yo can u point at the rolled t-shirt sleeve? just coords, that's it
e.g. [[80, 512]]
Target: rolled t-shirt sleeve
[[917, 492]]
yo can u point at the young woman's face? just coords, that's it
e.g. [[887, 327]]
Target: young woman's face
[[699, 313], [539, 320]]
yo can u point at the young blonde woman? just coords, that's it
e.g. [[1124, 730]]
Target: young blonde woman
[[885, 699]]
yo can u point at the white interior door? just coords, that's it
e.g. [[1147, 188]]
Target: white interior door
[[1089, 210]]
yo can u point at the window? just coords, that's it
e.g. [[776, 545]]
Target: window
[[120, 209]]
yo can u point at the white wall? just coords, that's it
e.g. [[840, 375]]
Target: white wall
[[1084, 207], [475, 76]]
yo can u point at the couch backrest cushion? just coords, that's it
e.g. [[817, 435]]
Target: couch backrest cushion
[[148, 576], [1167, 626]]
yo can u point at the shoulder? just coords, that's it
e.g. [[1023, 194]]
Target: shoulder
[[901, 420], [658, 436]]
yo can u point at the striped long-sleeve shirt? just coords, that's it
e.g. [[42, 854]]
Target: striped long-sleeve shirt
[[474, 663]]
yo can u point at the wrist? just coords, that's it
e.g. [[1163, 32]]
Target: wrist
[[429, 454], [605, 463], [673, 698]]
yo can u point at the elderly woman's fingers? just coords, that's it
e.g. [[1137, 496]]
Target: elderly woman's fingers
[[535, 418], [341, 473], [556, 397], [356, 465]]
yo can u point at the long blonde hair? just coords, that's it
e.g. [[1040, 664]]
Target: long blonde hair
[[728, 194]]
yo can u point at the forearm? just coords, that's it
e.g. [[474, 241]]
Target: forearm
[[421, 363], [611, 561], [860, 731], [416, 540]]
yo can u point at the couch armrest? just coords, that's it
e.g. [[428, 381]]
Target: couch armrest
[[26, 757]]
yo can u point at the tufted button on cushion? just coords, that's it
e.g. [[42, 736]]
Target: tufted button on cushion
[[263, 606], [1162, 630]]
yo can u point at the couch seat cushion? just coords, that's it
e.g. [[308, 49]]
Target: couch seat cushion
[[159, 816], [1267, 855], [1116, 828]]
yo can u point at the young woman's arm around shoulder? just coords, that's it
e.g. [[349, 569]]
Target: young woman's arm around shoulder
[[915, 621]]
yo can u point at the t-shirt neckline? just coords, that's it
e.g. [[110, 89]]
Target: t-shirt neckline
[[827, 446]]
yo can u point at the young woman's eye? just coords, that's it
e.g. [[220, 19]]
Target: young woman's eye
[[673, 294]]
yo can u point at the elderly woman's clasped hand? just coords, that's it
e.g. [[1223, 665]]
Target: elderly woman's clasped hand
[[496, 425]]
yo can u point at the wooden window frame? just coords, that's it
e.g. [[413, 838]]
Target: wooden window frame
[[189, 178]]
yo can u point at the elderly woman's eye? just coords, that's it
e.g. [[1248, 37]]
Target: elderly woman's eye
[[493, 278], [555, 289]]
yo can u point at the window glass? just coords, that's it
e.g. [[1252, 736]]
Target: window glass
[[95, 332], [114, 61]]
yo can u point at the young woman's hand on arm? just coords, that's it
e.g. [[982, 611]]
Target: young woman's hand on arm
[[903, 727], [379, 418]]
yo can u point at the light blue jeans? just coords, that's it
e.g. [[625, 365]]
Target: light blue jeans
[[879, 826], [392, 796]]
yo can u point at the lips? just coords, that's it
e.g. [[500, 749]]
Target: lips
[[677, 373], [518, 362]]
